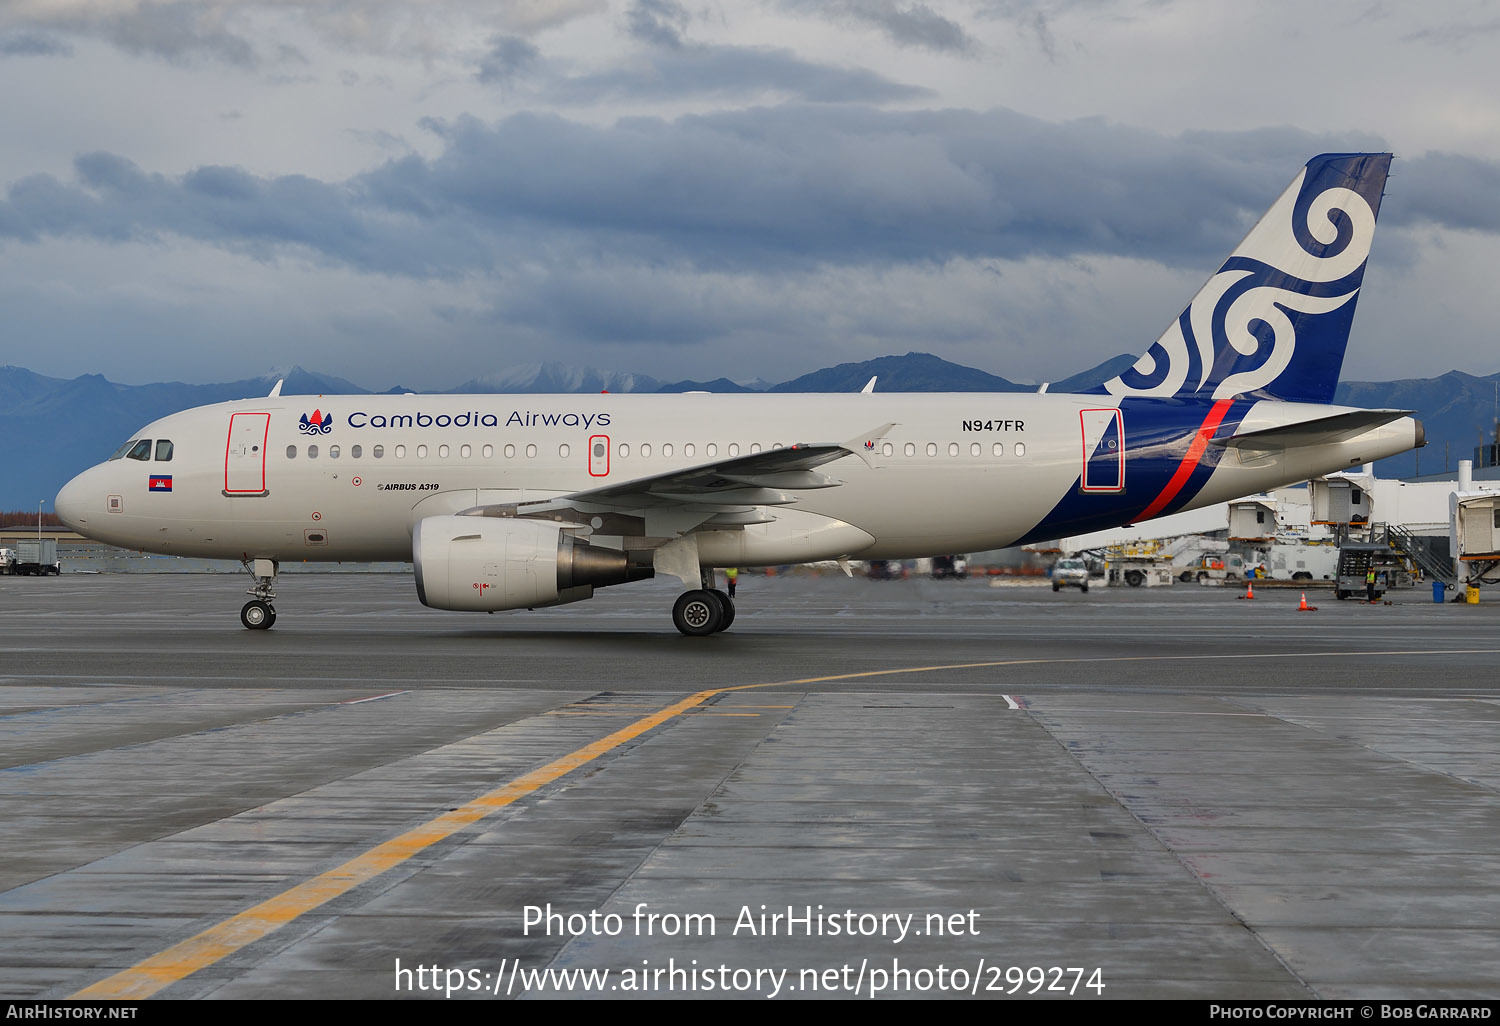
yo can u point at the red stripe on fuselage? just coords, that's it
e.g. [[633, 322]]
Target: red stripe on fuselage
[[1190, 461]]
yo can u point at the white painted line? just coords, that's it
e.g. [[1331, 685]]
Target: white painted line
[[374, 698]]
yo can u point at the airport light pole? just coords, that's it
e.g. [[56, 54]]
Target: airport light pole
[[39, 504]]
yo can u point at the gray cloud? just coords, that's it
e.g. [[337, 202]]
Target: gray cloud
[[697, 71], [509, 57], [912, 24], [222, 31], [177, 31], [1446, 189], [659, 22], [769, 190], [33, 44]]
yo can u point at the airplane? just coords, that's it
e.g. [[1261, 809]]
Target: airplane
[[519, 502]]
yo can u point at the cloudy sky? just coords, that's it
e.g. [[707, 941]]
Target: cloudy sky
[[419, 192]]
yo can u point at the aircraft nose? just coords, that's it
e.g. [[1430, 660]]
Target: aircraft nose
[[71, 504]]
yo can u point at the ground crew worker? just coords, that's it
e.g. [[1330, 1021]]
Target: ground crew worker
[[1370, 584], [731, 576]]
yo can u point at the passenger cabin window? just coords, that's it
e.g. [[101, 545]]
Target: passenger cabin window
[[400, 452], [711, 449], [291, 452], [1020, 448], [563, 450], [140, 450], [333, 452], [421, 452], [378, 451], [163, 451], [355, 452], [312, 452], [510, 452]]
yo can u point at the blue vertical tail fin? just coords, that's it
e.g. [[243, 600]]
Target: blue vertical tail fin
[[1273, 322]]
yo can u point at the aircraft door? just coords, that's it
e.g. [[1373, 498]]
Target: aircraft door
[[245, 454], [1103, 450], [599, 456]]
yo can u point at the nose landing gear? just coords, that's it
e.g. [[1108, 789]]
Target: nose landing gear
[[259, 614]]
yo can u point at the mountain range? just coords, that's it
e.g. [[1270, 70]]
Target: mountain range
[[57, 426]]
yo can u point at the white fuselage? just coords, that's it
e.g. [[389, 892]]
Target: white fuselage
[[956, 472]]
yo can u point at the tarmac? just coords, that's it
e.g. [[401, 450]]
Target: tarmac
[[895, 789]]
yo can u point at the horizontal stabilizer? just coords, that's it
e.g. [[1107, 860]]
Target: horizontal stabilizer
[[1321, 431]]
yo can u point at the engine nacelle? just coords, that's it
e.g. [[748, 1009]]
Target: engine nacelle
[[484, 564]]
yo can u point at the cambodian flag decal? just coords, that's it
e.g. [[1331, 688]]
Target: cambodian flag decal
[[160, 482]]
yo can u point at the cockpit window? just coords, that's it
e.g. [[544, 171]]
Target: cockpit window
[[140, 450], [120, 452], [163, 450]]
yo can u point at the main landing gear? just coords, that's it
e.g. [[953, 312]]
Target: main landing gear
[[705, 611], [259, 614]]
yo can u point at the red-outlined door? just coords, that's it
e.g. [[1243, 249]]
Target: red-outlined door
[[1103, 450], [245, 454], [598, 455]]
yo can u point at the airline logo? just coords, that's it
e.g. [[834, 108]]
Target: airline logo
[[159, 482], [317, 424]]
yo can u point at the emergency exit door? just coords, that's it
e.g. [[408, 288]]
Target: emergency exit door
[[599, 456], [245, 454], [1103, 450]]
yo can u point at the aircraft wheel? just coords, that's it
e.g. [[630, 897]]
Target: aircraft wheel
[[257, 615], [728, 604], [698, 613]]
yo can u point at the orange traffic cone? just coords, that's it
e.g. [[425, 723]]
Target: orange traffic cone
[[1304, 607], [1249, 591]]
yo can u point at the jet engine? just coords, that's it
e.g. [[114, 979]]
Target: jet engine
[[484, 564]]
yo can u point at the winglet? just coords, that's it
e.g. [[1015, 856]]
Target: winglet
[[869, 386], [867, 446], [276, 388]]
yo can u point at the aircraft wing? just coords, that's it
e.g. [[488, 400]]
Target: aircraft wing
[[756, 479], [1321, 431], [728, 492]]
